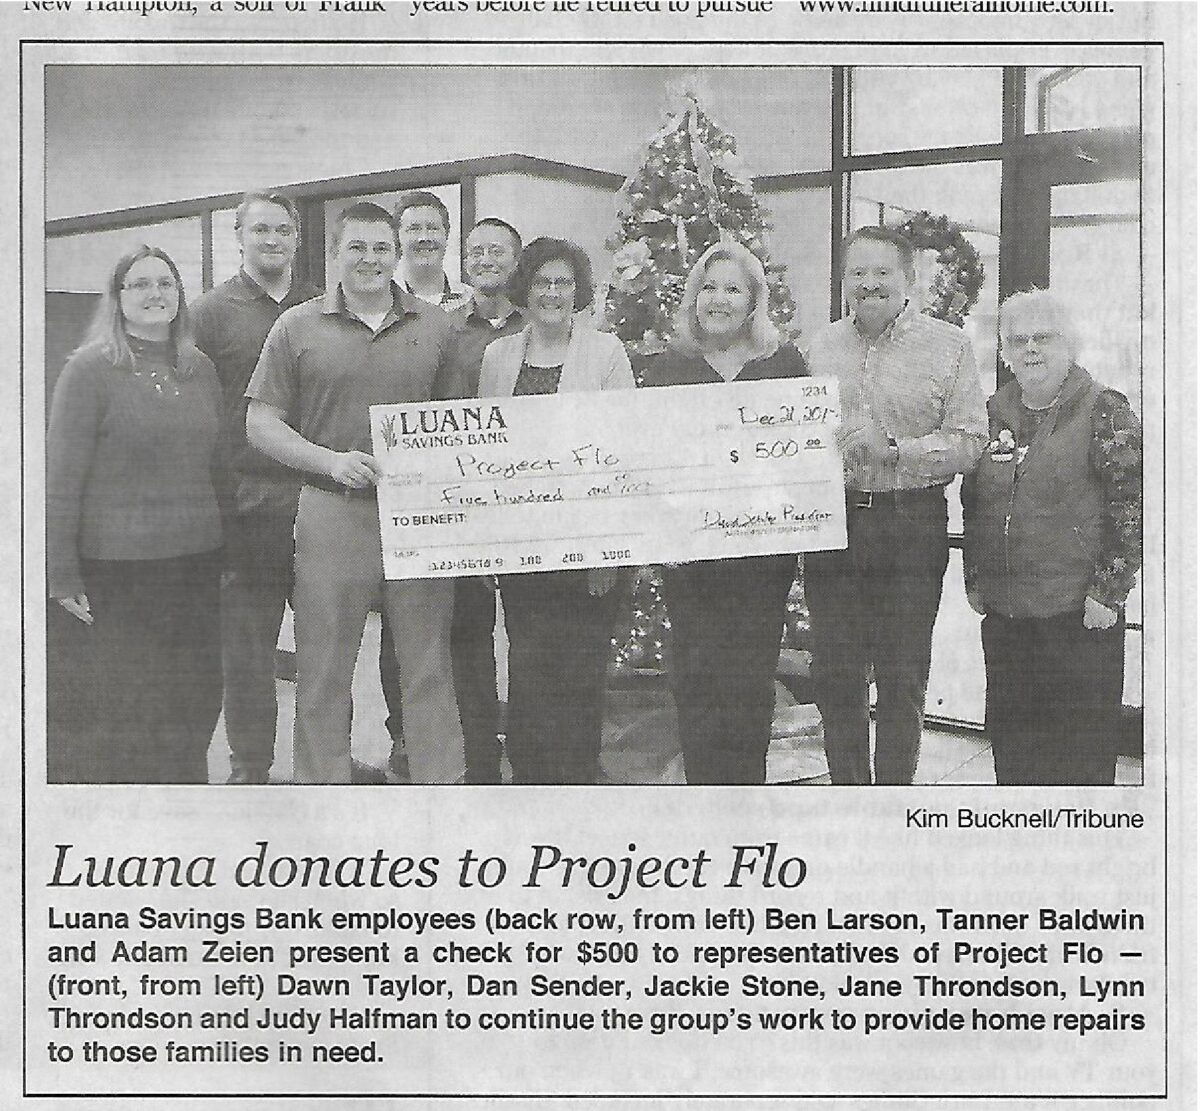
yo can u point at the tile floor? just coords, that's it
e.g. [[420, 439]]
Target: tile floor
[[945, 757]]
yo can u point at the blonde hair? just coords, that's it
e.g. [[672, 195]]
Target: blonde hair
[[764, 336], [108, 330]]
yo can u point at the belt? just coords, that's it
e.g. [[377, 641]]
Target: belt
[[319, 482], [892, 499]]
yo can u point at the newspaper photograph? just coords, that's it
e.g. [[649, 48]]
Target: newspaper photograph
[[475, 464]]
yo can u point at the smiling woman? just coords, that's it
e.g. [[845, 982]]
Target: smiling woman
[[1052, 543], [558, 622], [726, 615], [134, 533]]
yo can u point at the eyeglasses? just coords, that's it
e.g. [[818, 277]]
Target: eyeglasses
[[1038, 339], [545, 285], [496, 250], [145, 285]]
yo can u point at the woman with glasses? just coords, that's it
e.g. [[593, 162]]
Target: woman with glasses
[[559, 623], [134, 531], [1052, 527], [726, 614]]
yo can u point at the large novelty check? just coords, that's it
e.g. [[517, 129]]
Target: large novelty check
[[624, 477]]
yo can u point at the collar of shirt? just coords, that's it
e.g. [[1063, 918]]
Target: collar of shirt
[[403, 304], [451, 297], [247, 289], [471, 313], [900, 324]]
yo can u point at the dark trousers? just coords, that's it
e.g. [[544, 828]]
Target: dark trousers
[[473, 653], [255, 587], [874, 605], [154, 664], [1053, 698], [560, 639], [726, 626], [72, 754]]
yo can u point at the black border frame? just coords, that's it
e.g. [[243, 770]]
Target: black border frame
[[1013, 103]]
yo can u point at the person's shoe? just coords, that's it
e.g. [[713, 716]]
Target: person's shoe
[[251, 777], [396, 771], [366, 775]]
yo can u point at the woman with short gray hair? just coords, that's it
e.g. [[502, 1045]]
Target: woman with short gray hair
[[1052, 544]]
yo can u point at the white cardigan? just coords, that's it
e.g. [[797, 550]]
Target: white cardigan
[[594, 361]]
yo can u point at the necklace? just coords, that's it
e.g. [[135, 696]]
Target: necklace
[[161, 380]]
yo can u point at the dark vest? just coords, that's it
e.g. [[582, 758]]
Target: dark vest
[[1037, 526]]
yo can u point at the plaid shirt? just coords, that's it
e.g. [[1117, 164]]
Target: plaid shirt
[[453, 296], [918, 380]]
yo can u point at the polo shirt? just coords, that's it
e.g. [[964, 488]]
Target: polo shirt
[[472, 333], [325, 367], [918, 380], [229, 324]]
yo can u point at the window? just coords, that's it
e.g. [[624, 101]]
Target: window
[[226, 255], [800, 241], [82, 263], [1095, 266], [1071, 98], [916, 107], [969, 194], [448, 194]]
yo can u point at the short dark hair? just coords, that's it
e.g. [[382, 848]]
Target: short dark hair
[[883, 235], [267, 197], [496, 222], [543, 250], [368, 212], [421, 198]]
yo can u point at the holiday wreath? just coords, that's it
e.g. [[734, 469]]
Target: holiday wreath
[[955, 285]]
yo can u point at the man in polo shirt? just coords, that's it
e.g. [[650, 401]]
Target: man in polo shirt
[[423, 224], [913, 417], [230, 324], [366, 342], [491, 251]]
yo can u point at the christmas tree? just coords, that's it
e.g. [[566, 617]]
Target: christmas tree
[[690, 191]]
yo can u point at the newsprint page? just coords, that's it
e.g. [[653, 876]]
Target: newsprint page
[[598, 552]]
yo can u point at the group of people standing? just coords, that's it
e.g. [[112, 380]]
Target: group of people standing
[[218, 461]]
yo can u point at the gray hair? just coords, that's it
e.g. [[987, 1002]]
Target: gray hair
[[1049, 302]]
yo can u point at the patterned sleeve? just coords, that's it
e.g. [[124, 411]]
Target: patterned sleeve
[[1116, 457]]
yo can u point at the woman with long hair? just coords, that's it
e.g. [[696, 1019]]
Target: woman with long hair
[[726, 614], [134, 530]]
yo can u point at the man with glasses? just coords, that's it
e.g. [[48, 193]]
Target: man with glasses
[[490, 257], [913, 417], [492, 248], [366, 342], [230, 324]]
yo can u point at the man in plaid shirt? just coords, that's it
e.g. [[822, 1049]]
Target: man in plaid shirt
[[913, 417]]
